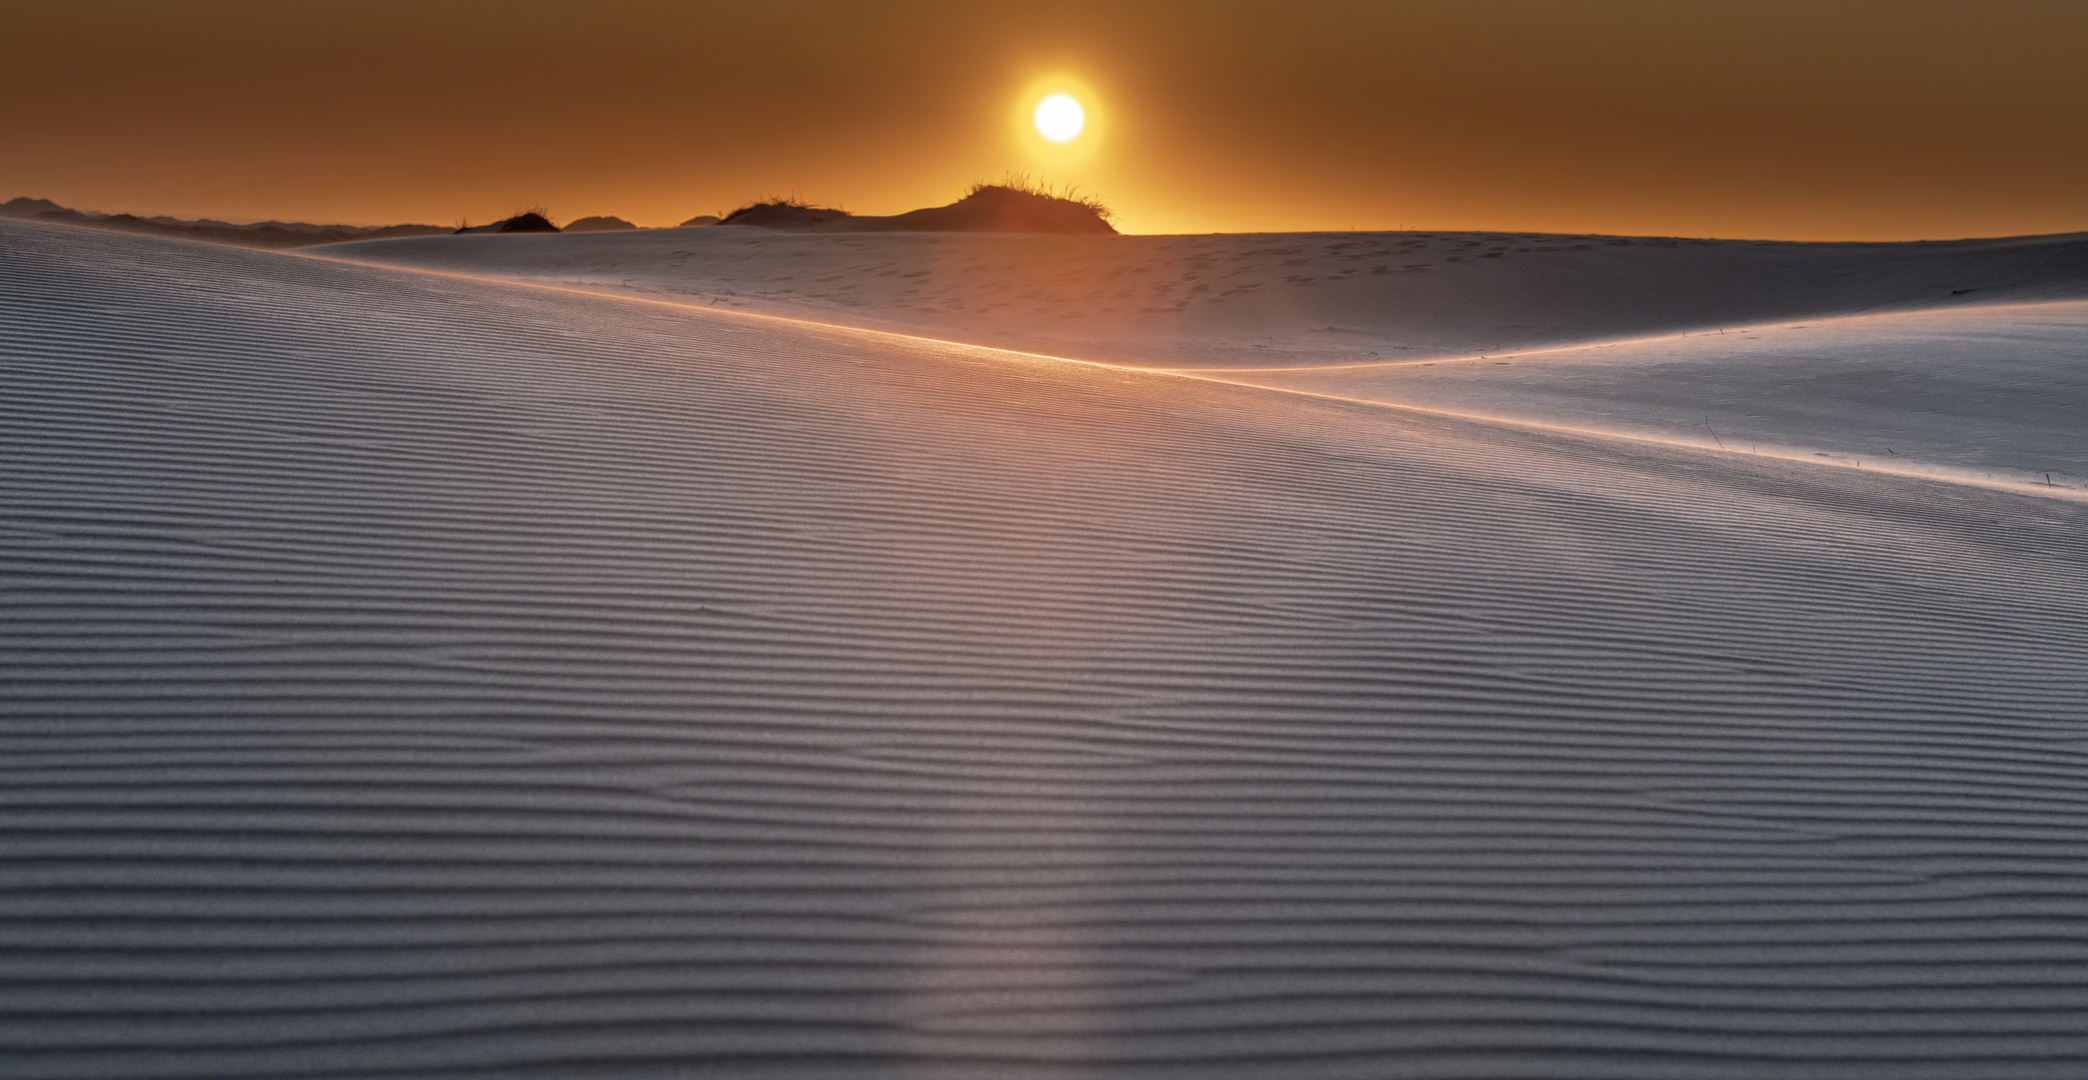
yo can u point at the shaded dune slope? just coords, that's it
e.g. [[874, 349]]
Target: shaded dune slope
[[419, 676]]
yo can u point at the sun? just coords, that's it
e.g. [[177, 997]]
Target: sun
[[1058, 121], [1060, 118]]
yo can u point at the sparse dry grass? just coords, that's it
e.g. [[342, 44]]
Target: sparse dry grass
[[1021, 184], [776, 202]]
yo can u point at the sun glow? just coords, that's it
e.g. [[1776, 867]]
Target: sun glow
[[1059, 126], [1060, 118]]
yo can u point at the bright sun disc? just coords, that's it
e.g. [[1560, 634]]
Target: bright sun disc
[[1059, 117]]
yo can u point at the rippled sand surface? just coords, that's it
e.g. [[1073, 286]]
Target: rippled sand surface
[[404, 673]]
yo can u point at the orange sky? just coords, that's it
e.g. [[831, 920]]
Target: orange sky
[[1817, 120]]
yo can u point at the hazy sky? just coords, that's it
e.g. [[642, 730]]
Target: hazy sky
[[1814, 120]]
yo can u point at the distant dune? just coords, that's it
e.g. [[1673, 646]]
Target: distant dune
[[529, 221], [597, 224], [785, 215], [24, 207], [701, 653], [987, 208], [266, 234]]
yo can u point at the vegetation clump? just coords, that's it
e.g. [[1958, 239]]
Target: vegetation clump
[[535, 219], [783, 212], [1018, 186]]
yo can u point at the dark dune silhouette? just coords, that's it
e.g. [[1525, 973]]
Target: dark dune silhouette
[[1013, 207], [25, 207], [1003, 208], [528, 221], [598, 223], [986, 208], [785, 214]]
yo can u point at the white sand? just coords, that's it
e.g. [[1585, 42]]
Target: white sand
[[412, 675]]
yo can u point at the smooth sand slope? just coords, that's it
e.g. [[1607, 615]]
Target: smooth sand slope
[[420, 676], [1980, 394]]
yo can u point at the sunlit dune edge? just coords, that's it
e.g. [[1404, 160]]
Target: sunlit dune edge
[[1986, 395], [422, 673]]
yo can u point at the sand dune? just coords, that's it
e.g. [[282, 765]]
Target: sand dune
[[1265, 300], [1916, 358], [415, 675]]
